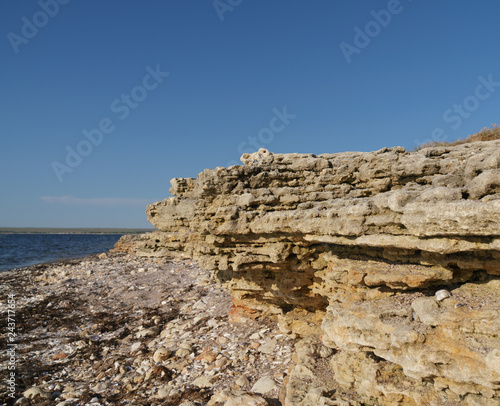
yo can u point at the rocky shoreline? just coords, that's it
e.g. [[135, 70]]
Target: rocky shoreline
[[350, 279], [116, 329], [390, 258]]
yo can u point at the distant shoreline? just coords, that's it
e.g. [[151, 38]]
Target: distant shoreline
[[41, 230]]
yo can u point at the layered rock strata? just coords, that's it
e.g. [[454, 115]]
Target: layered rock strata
[[352, 247]]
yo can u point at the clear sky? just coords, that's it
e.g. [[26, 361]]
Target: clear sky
[[103, 102]]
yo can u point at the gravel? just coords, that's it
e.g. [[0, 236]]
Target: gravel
[[116, 329]]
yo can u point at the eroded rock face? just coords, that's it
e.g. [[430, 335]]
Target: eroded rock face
[[353, 246]]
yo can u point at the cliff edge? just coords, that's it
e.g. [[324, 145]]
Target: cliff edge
[[390, 258]]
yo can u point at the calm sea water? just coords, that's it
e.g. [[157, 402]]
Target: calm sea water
[[20, 250]]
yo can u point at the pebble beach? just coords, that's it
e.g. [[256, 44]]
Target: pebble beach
[[116, 329]]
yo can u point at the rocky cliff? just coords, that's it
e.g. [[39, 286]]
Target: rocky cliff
[[350, 249]]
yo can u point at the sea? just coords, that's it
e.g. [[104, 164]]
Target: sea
[[22, 250]]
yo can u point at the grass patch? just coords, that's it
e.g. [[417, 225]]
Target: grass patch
[[486, 134]]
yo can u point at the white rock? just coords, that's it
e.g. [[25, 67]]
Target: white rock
[[221, 362], [212, 323], [264, 385], [162, 393], [237, 398], [203, 382], [442, 294], [187, 403], [268, 347], [242, 381], [199, 305], [35, 391], [256, 157], [148, 332], [186, 346], [99, 388], [138, 346], [161, 354]]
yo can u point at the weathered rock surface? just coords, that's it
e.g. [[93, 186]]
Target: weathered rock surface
[[353, 247]]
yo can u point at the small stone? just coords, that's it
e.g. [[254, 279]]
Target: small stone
[[204, 282], [203, 382], [199, 305], [212, 323], [56, 394], [264, 385], [59, 356], [237, 398], [99, 388], [325, 351], [138, 347], [222, 340], [65, 403], [186, 346], [162, 354], [182, 353], [207, 355], [162, 393], [255, 345], [34, 391], [184, 350], [268, 347], [102, 255], [174, 392], [442, 294], [187, 403], [242, 381], [221, 362], [148, 332]]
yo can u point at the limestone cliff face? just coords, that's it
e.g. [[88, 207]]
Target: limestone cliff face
[[352, 247]]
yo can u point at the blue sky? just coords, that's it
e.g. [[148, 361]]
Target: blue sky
[[166, 89]]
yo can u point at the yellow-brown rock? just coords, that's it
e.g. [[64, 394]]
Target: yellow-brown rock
[[352, 247]]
